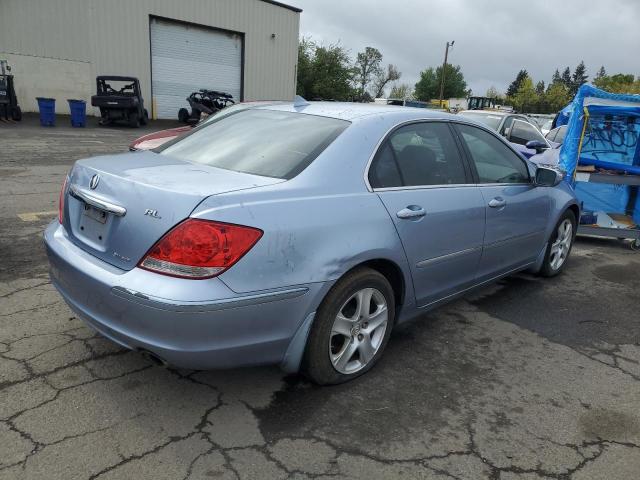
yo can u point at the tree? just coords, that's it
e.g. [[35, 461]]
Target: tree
[[428, 87], [402, 91], [566, 78], [385, 77], [557, 97], [306, 53], [366, 68], [540, 87], [579, 78], [515, 85], [619, 83], [601, 74], [492, 92], [526, 97], [556, 77], [323, 72]]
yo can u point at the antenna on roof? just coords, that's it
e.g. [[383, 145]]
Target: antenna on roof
[[298, 101]]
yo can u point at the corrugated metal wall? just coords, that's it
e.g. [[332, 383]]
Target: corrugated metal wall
[[112, 37]]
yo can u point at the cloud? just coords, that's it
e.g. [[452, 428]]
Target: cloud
[[494, 38]]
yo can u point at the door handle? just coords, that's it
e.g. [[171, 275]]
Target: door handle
[[497, 202], [412, 211], [99, 203]]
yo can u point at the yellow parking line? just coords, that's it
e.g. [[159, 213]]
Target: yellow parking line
[[35, 216]]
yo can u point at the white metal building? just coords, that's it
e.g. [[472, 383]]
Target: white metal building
[[56, 48]]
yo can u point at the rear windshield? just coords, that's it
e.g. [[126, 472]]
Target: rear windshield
[[260, 142], [486, 118]]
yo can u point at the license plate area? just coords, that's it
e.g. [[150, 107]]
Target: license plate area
[[93, 226], [96, 214]]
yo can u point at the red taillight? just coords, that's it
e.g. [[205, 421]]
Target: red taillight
[[61, 200], [200, 249]]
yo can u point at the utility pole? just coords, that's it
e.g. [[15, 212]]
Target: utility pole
[[444, 69]]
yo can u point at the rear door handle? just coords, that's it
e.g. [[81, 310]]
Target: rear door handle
[[497, 202], [412, 211]]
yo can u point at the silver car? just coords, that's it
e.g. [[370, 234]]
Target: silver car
[[300, 234]]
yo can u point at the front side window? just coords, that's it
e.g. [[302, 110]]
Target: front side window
[[489, 119], [494, 161], [561, 132], [419, 154], [523, 132], [269, 143]]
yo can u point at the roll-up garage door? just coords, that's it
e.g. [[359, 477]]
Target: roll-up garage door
[[187, 58]]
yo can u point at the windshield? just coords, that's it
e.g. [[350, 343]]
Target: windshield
[[486, 118], [260, 142]]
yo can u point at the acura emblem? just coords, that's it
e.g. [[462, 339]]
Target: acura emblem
[[94, 181]]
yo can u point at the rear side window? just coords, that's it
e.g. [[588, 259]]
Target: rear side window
[[494, 161], [260, 142], [523, 132], [419, 154]]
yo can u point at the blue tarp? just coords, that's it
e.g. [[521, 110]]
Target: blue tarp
[[564, 115], [611, 137]]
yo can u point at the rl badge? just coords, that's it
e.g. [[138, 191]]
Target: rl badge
[[152, 213]]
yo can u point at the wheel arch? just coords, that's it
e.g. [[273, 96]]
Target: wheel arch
[[388, 268], [576, 213], [392, 272]]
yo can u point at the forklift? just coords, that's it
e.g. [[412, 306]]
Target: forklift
[[9, 108]]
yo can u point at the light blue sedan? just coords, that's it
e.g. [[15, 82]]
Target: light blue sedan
[[300, 234]]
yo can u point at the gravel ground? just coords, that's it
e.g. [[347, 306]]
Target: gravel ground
[[527, 379]]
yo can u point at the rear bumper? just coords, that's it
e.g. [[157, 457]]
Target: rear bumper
[[203, 325]]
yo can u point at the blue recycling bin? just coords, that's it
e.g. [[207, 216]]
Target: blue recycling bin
[[78, 110], [47, 108]]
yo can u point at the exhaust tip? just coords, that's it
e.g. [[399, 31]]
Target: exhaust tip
[[153, 358]]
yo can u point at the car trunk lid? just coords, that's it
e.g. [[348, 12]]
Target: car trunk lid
[[116, 207]]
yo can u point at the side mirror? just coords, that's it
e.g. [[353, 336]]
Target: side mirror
[[548, 177], [536, 145], [507, 133]]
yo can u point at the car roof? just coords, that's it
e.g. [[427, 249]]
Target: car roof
[[488, 112], [353, 111]]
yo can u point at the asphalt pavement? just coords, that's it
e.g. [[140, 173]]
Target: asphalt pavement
[[526, 379]]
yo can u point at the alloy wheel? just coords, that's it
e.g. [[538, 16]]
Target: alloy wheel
[[560, 248], [358, 330]]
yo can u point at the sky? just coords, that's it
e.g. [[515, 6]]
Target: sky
[[494, 39]]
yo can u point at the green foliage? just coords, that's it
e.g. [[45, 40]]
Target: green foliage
[[402, 91], [540, 87], [323, 72], [579, 78], [556, 97], [492, 92], [391, 74], [618, 83], [366, 69], [515, 85], [428, 87], [526, 95], [566, 77]]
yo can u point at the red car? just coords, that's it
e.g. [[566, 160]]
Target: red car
[[155, 139]]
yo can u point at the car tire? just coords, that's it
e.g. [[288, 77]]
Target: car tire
[[349, 334], [134, 119], [559, 245], [16, 114], [183, 115], [145, 117]]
